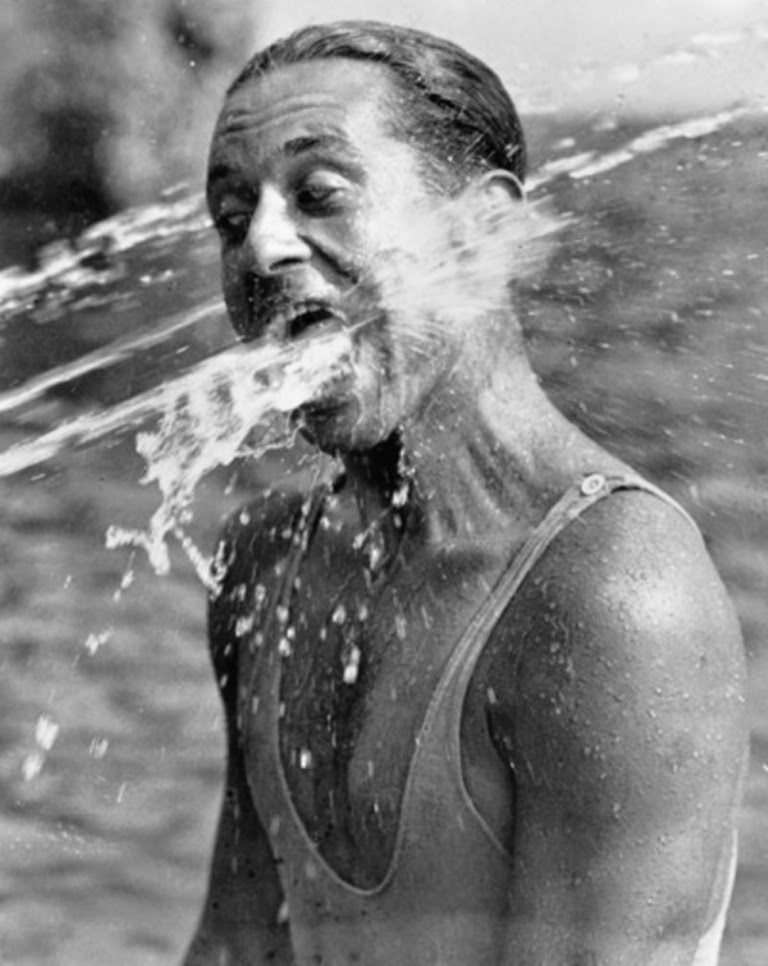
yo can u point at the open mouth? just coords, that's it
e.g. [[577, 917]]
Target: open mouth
[[300, 318]]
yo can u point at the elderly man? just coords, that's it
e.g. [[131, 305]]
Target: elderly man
[[483, 690]]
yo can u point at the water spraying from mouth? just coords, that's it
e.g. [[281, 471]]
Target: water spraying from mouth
[[207, 419], [234, 404]]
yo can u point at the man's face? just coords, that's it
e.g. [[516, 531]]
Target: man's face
[[312, 197]]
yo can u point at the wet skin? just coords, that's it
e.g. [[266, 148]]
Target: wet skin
[[309, 193], [608, 759]]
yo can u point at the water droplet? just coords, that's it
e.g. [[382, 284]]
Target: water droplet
[[94, 641], [46, 732], [282, 613], [305, 759], [243, 625], [401, 626], [32, 765], [98, 747], [352, 665], [339, 615]]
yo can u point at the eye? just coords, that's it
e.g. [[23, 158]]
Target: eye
[[232, 224], [322, 192]]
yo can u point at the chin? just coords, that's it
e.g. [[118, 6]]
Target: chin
[[339, 429]]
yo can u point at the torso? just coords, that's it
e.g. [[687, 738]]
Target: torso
[[360, 662], [352, 669]]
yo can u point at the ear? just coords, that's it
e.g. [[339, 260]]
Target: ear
[[494, 196]]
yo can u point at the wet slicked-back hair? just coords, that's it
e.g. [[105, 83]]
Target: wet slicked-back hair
[[448, 105]]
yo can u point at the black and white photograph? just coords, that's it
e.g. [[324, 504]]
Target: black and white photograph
[[383, 483]]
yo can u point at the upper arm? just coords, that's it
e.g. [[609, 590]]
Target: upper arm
[[623, 716], [241, 916]]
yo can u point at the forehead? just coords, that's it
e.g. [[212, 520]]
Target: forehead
[[336, 97]]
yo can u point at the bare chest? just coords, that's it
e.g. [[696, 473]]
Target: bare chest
[[359, 662]]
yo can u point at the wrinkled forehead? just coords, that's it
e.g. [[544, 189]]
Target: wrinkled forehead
[[334, 96]]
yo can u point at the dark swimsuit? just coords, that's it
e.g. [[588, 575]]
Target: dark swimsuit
[[444, 898]]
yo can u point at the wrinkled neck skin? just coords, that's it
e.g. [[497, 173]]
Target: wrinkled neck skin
[[485, 455]]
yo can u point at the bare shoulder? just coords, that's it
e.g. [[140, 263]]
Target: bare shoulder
[[635, 574], [621, 664], [617, 678]]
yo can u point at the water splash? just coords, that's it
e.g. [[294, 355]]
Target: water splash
[[206, 420], [207, 416]]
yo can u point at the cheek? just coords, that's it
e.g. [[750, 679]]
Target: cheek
[[236, 294]]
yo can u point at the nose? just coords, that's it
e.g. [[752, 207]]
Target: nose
[[275, 243]]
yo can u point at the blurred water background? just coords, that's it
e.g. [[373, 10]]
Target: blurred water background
[[649, 328]]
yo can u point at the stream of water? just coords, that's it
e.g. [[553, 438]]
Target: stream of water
[[647, 325]]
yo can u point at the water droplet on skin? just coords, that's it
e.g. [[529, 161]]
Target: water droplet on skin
[[352, 665], [339, 615], [243, 625], [98, 747], [282, 914], [400, 495], [401, 626], [259, 594], [94, 641], [305, 759], [46, 732], [359, 539], [284, 648], [282, 613], [32, 765], [375, 556]]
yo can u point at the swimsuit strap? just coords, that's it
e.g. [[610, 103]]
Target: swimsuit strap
[[303, 531], [580, 497]]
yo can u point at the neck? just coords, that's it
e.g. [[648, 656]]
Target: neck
[[481, 462]]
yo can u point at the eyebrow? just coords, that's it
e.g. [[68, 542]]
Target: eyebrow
[[298, 146], [315, 142]]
